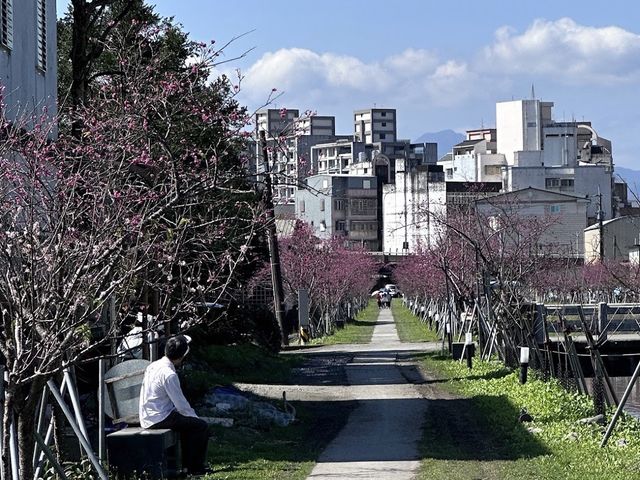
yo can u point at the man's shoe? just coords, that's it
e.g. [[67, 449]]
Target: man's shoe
[[200, 471]]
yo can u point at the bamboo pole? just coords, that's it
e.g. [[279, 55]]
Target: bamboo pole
[[621, 405]]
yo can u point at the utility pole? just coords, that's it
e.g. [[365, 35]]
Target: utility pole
[[272, 240], [600, 227]]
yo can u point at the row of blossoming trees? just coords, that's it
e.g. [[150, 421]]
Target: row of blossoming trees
[[499, 262], [142, 198], [335, 275]]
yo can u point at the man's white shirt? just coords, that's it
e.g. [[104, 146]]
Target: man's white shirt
[[161, 394]]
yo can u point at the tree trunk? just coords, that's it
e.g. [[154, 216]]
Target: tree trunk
[[26, 439], [6, 418], [79, 61]]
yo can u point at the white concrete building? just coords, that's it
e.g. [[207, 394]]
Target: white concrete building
[[276, 122], [375, 125], [338, 156], [412, 207], [343, 206], [563, 216], [28, 57], [316, 125], [290, 138], [519, 124], [567, 157], [475, 159]]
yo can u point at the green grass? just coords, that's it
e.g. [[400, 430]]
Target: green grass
[[500, 447], [224, 364], [242, 452], [358, 331], [287, 453], [410, 328]]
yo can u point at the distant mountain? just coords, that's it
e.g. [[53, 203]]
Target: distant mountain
[[632, 177], [445, 139]]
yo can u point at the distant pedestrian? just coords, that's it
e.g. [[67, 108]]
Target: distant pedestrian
[[379, 299], [386, 299]]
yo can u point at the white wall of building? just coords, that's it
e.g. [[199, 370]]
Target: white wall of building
[[405, 206], [588, 180], [563, 215], [509, 126], [28, 69], [560, 146]]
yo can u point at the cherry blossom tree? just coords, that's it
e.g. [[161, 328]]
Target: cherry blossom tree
[[330, 272], [150, 199]]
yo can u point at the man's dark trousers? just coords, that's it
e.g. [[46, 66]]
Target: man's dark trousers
[[194, 438]]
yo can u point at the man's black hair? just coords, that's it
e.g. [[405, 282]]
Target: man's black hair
[[176, 347]]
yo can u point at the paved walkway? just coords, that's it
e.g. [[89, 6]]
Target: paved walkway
[[380, 439]]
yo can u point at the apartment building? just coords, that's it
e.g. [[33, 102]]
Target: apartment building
[[375, 125], [290, 138], [28, 58], [276, 122], [564, 157], [475, 159], [345, 206], [561, 218], [414, 208]]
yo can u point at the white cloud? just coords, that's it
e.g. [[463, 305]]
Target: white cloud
[[567, 52], [413, 74]]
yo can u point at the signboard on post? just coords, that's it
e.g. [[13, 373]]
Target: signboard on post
[[303, 307]]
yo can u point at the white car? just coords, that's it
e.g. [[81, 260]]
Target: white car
[[392, 289]]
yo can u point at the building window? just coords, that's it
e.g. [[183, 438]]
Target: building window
[[384, 124], [6, 23], [382, 136], [341, 226], [383, 114], [41, 33], [566, 182], [555, 209], [322, 204], [339, 204], [365, 170], [492, 169], [364, 226], [366, 184], [302, 206], [323, 226], [325, 183], [552, 182], [364, 206], [449, 173]]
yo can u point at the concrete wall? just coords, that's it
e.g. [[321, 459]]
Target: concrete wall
[[519, 126], [489, 167], [29, 89], [564, 217], [587, 180], [509, 126], [560, 146], [414, 194], [620, 235]]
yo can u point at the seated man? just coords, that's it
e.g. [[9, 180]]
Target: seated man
[[162, 405]]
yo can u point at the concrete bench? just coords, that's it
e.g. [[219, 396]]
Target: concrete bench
[[136, 450]]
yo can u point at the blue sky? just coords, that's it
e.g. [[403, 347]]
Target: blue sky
[[440, 64]]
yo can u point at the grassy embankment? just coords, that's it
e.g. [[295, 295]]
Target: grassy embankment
[[473, 431], [410, 328], [246, 453]]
